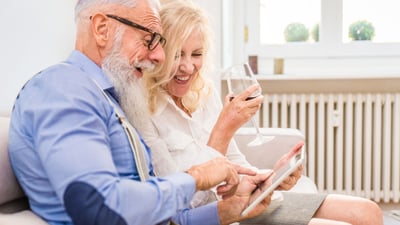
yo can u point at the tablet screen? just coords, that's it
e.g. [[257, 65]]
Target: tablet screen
[[285, 166]]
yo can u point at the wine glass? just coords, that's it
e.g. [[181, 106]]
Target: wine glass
[[239, 78]]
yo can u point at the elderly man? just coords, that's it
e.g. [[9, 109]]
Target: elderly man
[[75, 156]]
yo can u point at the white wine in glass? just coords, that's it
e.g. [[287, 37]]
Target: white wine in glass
[[239, 78]]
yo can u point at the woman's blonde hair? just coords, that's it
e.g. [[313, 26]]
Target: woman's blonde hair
[[180, 18]]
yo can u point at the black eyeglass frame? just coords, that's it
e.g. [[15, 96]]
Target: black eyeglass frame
[[156, 38]]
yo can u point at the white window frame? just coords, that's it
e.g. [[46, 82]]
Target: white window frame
[[330, 43]]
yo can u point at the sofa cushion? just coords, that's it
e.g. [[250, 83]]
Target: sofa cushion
[[14, 206], [24, 217], [9, 188]]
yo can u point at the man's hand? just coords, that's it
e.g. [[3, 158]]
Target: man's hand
[[230, 209], [217, 171]]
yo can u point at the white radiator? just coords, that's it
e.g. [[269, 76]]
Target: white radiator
[[352, 140]]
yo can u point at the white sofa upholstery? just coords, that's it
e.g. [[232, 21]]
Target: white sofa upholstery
[[264, 156], [14, 208]]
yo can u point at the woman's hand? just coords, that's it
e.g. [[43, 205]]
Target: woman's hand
[[237, 110], [291, 180], [235, 113]]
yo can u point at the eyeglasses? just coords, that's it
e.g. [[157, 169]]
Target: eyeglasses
[[155, 39]]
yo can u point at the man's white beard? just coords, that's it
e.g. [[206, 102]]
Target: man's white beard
[[132, 97]]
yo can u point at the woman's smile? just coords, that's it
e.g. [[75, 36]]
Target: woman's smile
[[182, 79]]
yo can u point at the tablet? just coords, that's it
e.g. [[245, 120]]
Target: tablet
[[285, 166]]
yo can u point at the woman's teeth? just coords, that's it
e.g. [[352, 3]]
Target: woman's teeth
[[185, 78]]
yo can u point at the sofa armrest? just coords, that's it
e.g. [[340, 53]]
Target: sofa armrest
[[265, 155]]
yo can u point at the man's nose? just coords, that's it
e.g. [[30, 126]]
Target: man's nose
[[157, 55]]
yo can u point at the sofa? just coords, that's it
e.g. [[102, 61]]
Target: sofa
[[264, 156], [14, 208]]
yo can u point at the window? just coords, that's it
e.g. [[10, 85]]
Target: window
[[262, 24], [382, 14], [276, 17]]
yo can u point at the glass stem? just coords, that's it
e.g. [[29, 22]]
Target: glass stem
[[256, 125]]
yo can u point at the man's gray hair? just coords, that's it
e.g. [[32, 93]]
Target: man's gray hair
[[82, 5]]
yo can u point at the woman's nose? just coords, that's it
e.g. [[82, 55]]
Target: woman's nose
[[186, 66]]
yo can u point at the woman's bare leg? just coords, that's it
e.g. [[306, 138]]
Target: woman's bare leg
[[350, 209], [316, 221]]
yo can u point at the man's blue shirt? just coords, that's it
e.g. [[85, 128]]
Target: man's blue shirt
[[73, 159]]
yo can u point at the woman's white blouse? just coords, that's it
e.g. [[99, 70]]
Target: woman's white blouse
[[180, 141]]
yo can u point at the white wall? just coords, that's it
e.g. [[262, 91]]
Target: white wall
[[213, 9], [36, 34]]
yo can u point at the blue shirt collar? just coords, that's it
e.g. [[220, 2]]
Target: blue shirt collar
[[80, 60]]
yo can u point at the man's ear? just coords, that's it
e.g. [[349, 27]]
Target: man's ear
[[101, 28]]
